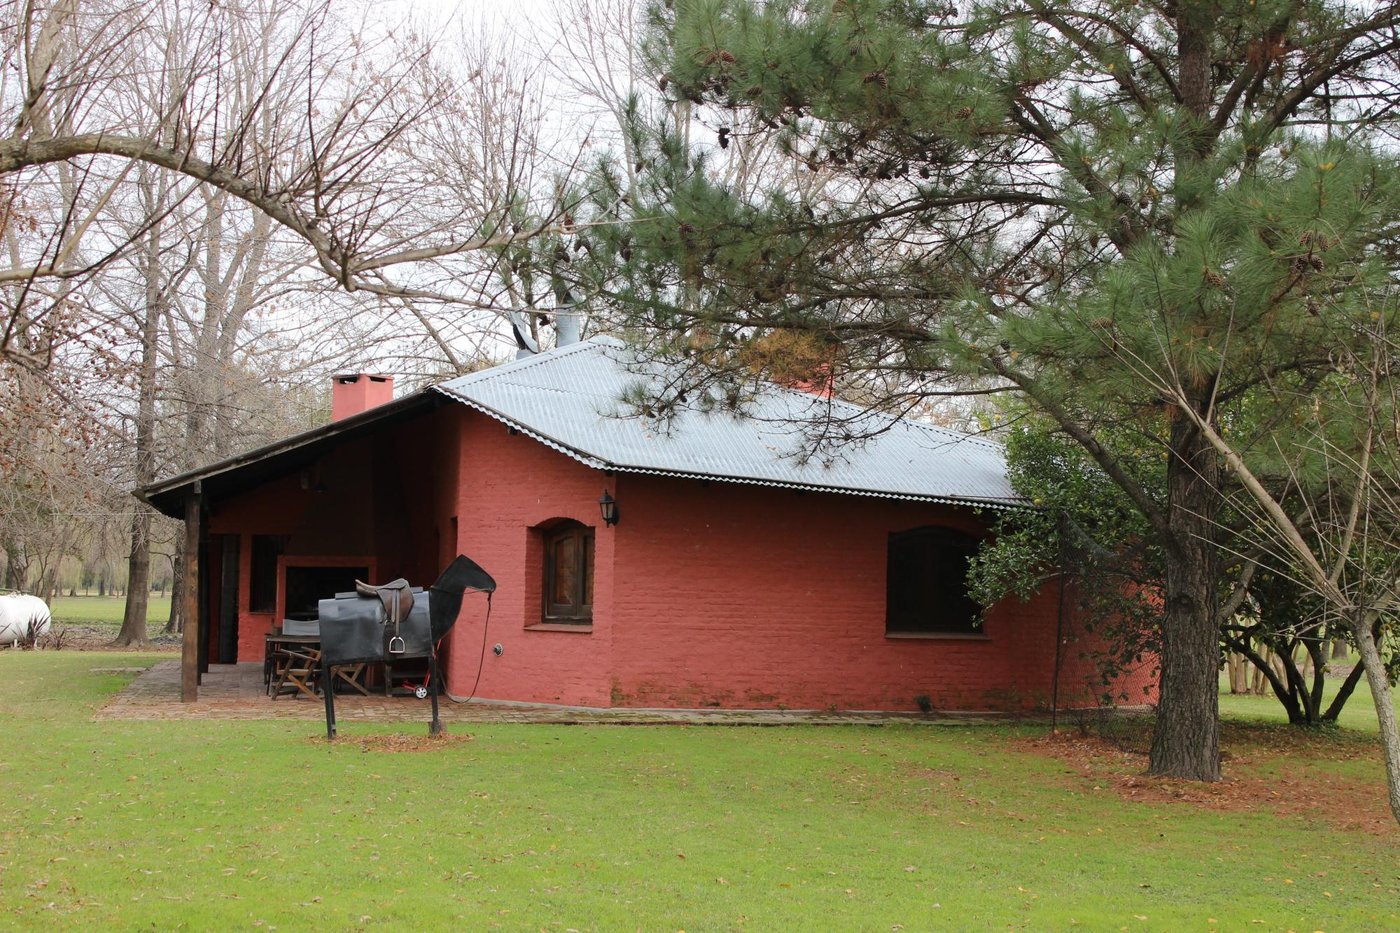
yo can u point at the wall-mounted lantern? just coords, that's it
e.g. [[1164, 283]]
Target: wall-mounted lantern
[[607, 505]]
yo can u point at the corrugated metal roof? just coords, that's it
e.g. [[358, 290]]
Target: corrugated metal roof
[[572, 400]]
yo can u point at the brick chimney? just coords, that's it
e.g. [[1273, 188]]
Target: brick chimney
[[351, 395], [822, 383]]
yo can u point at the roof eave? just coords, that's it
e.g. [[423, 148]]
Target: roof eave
[[965, 501]]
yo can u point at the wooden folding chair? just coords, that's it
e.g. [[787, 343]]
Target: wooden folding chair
[[352, 674], [297, 669]]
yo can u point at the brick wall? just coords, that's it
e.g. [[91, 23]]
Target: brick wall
[[750, 596], [719, 594], [508, 485]]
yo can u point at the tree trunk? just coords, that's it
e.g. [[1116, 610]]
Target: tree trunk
[[1186, 742], [138, 583], [50, 586], [1269, 676], [1285, 662], [176, 622], [138, 586], [16, 566], [1344, 693], [1385, 708], [1239, 673]]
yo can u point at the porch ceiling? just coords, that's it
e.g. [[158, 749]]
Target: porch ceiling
[[252, 468]]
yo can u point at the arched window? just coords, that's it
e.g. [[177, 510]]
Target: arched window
[[926, 583], [568, 574]]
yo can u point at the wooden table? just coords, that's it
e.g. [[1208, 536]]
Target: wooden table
[[295, 664]]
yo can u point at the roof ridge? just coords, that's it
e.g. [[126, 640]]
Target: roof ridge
[[534, 359], [961, 436], [599, 342]]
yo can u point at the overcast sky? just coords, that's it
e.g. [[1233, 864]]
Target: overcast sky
[[521, 15]]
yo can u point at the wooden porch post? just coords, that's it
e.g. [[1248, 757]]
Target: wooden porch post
[[189, 645]]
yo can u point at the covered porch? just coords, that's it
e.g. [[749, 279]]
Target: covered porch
[[270, 533]]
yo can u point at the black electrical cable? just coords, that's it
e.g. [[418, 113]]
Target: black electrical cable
[[480, 661]]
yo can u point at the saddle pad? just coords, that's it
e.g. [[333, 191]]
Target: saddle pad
[[353, 629]]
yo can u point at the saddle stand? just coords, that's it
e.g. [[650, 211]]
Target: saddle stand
[[394, 621]]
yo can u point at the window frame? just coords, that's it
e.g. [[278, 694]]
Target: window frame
[[936, 545], [579, 614]]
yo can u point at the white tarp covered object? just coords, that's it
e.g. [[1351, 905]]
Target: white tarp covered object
[[21, 617]]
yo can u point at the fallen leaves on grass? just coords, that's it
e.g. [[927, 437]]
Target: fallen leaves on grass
[[1248, 739], [400, 742], [1292, 790]]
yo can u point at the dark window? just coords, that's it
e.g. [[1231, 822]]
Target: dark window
[[262, 579], [306, 586], [568, 574], [926, 587]]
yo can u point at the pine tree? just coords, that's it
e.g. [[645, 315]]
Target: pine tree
[[1135, 215]]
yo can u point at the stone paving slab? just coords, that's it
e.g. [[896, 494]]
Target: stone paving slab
[[235, 691]]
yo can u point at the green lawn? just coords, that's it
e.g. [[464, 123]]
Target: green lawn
[[1359, 712], [106, 610], [209, 825]]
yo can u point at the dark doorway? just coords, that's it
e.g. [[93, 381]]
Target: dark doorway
[[228, 599]]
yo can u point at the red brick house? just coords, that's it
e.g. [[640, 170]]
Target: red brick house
[[737, 573]]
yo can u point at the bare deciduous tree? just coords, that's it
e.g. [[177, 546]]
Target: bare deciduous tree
[[334, 141]]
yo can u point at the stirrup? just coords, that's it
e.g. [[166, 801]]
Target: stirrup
[[396, 645]]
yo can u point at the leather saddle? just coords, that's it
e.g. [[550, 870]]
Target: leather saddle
[[396, 597]]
